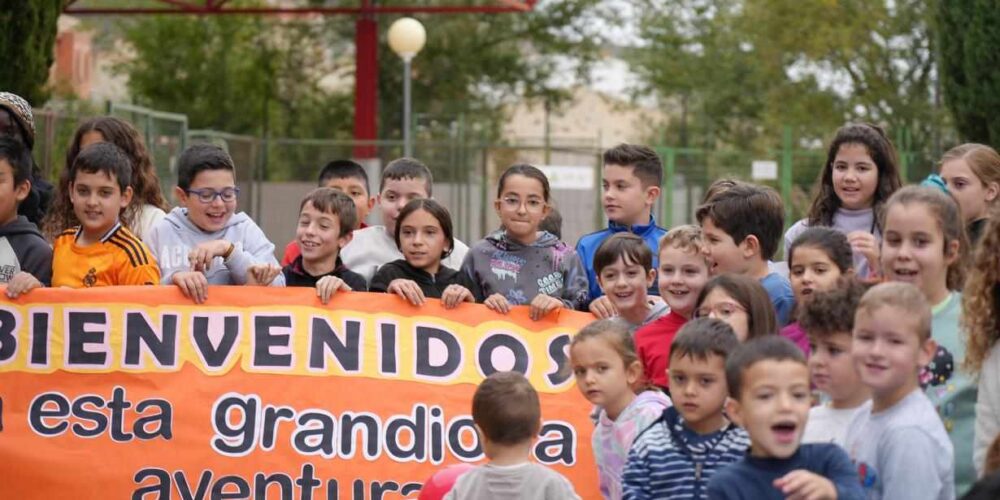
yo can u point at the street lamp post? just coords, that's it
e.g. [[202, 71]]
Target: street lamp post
[[406, 37]]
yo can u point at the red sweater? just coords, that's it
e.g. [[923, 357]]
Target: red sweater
[[652, 343]]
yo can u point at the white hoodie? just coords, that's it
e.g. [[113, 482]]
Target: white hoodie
[[173, 237]]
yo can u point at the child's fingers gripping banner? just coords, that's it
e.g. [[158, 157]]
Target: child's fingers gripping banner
[[135, 392]]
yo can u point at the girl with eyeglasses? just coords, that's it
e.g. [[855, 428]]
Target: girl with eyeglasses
[[519, 264], [741, 302]]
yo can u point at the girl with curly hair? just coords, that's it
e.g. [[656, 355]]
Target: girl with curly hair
[[148, 204], [980, 310]]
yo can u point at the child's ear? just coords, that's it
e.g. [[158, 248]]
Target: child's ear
[[126, 196], [951, 251], [992, 191], [633, 373], [344, 240], [496, 206], [371, 202], [652, 194], [181, 196], [650, 278], [750, 246], [600, 283], [733, 410], [927, 351], [22, 190]]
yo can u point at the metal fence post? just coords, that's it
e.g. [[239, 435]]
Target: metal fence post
[[786, 173], [667, 210]]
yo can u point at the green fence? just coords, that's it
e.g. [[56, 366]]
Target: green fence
[[465, 168], [165, 134]]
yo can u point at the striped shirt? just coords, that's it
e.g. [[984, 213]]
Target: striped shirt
[[119, 258], [669, 460]]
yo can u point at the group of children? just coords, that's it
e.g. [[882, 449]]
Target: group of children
[[704, 355]]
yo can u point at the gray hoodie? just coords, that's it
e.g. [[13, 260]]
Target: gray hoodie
[[172, 238], [548, 266]]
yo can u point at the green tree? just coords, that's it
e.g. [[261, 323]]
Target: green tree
[[969, 34], [749, 67], [29, 33], [239, 74]]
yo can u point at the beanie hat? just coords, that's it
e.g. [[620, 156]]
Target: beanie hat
[[21, 111]]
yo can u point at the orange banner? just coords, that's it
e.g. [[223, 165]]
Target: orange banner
[[135, 392]]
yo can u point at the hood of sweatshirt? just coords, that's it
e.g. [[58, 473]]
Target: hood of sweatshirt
[[19, 226], [500, 240]]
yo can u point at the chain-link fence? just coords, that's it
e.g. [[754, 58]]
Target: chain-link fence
[[53, 133], [274, 173], [165, 134]]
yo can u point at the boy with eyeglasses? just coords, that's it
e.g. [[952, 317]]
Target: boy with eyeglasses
[[205, 241]]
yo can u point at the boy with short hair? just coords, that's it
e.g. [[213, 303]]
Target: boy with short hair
[[326, 219], [682, 275], [508, 416], [897, 439], [25, 257], [205, 241], [677, 455], [828, 319], [631, 179], [742, 228], [769, 397], [101, 251], [624, 266], [403, 180], [347, 176]]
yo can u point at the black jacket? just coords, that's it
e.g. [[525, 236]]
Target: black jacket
[[296, 275], [432, 286], [22, 248]]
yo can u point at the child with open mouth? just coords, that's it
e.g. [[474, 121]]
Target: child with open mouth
[[769, 397]]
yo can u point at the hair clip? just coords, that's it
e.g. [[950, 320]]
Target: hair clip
[[935, 181]]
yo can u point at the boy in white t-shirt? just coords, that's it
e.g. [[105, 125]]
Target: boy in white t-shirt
[[897, 440], [828, 319]]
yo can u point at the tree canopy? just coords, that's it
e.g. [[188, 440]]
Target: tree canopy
[[28, 36], [744, 69], [970, 58], [230, 72]]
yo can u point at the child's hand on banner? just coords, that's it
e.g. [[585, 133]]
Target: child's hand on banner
[[327, 286]]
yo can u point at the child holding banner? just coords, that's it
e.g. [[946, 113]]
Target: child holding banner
[[101, 251], [403, 180], [518, 264], [508, 417], [25, 257], [204, 241], [326, 220], [350, 178], [609, 374], [424, 236]]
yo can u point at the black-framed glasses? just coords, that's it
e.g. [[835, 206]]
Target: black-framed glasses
[[208, 195]]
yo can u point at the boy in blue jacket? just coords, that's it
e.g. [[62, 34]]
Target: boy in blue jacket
[[630, 180]]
